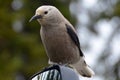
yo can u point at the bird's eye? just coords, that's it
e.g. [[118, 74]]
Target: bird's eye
[[45, 12]]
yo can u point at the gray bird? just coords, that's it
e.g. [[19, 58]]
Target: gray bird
[[60, 39]]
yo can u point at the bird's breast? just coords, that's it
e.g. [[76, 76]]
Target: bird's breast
[[59, 46]]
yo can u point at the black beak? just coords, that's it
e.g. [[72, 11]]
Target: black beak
[[35, 17]]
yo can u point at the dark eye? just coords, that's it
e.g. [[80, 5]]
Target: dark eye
[[45, 12]]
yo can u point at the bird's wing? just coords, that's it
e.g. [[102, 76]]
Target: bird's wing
[[74, 37]]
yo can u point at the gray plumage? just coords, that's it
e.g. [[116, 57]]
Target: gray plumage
[[60, 39]]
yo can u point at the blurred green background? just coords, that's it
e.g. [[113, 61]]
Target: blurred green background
[[21, 51]]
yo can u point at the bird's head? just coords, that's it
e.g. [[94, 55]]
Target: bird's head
[[47, 14]]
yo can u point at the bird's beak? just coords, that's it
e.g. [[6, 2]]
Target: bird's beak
[[35, 17]]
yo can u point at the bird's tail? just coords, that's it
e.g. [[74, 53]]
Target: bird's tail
[[83, 69]]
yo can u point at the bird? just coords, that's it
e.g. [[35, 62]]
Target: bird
[[60, 40]]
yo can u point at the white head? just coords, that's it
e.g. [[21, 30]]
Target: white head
[[47, 15]]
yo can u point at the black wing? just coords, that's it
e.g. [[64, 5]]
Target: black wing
[[74, 37]]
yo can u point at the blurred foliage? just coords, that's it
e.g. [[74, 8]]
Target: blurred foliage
[[21, 51], [111, 12]]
